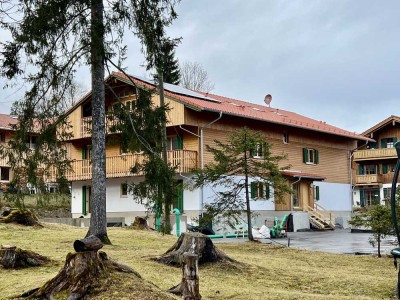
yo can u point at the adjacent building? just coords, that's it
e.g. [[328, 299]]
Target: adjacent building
[[319, 154], [374, 162]]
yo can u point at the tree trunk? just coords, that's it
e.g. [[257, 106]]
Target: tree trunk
[[248, 211], [189, 287], [166, 195], [379, 245], [12, 257], [194, 243], [98, 219]]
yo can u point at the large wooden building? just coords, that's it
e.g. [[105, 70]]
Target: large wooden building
[[6, 132], [374, 163], [319, 154]]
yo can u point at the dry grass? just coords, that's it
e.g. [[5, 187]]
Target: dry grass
[[267, 272]]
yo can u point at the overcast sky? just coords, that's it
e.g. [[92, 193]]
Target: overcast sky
[[331, 60]]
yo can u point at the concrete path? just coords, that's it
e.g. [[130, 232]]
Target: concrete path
[[337, 241]]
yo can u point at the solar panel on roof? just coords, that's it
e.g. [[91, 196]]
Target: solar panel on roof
[[179, 90]]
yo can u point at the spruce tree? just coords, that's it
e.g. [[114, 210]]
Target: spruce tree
[[55, 37], [246, 155]]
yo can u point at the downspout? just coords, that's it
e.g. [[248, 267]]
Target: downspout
[[351, 172], [291, 197], [202, 157]]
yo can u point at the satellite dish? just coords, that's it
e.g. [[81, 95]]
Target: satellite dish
[[268, 99]]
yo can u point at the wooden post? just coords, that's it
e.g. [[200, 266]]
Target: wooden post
[[190, 280]]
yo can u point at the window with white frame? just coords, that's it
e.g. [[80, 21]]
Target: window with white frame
[[258, 151], [259, 190], [310, 156], [286, 137]]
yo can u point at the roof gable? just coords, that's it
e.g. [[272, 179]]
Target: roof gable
[[382, 124]]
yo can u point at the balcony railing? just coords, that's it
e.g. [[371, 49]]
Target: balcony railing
[[86, 126], [120, 165], [375, 154], [369, 179]]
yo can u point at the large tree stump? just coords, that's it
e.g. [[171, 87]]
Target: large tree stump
[[194, 243], [12, 257], [82, 272], [22, 217], [189, 286]]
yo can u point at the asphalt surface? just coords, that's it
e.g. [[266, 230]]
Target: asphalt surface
[[337, 241]]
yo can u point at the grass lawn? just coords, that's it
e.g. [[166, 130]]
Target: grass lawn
[[267, 272]]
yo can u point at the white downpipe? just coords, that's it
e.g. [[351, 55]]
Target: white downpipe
[[202, 157]]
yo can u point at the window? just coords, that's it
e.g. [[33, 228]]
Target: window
[[310, 156], [372, 145], [369, 197], [5, 174], [87, 152], [258, 152], [124, 190], [174, 143], [86, 196], [286, 138], [386, 194], [2, 137], [367, 169], [259, 190], [388, 142], [387, 168], [296, 195], [129, 91], [30, 141]]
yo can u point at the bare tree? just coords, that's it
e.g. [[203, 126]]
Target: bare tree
[[195, 77]]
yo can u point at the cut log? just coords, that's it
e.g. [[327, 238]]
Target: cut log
[[12, 257], [189, 286], [90, 243], [194, 243], [22, 217]]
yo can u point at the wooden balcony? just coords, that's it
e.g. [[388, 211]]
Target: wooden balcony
[[371, 154], [86, 126], [369, 179], [120, 165]]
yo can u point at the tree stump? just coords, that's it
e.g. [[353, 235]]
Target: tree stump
[[82, 272], [189, 287], [140, 223], [22, 217], [194, 243], [12, 257]]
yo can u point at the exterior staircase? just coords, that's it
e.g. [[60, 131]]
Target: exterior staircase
[[320, 218]]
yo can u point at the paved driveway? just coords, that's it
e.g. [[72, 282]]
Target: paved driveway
[[337, 241]]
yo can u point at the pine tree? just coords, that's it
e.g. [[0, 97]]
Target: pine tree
[[170, 65], [56, 37], [246, 155]]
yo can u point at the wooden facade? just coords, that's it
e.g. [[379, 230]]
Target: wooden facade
[[194, 125]]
